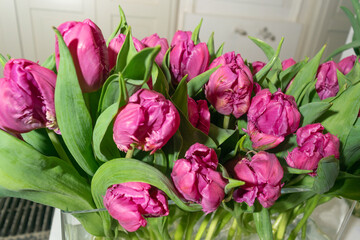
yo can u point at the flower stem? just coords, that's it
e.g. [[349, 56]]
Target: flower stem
[[213, 224], [202, 227], [226, 121], [130, 152], [312, 203], [58, 147], [192, 219], [232, 230], [281, 224]]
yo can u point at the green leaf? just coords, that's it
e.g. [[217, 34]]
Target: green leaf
[[122, 27], [72, 115], [287, 75], [126, 52], [298, 171], [312, 111], [198, 82], [138, 70], [109, 93], [259, 76], [179, 98], [268, 50], [354, 75], [220, 50], [327, 171], [3, 60], [220, 135], [305, 76], [289, 201], [160, 84], [351, 147], [263, 224], [353, 44], [354, 23], [47, 180], [50, 63], [211, 47], [195, 35], [233, 183], [40, 141], [172, 148], [346, 188]]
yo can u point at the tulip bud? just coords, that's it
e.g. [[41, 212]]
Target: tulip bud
[[346, 64], [153, 41], [199, 114], [148, 120], [271, 117], [257, 66], [229, 87], [313, 145], [27, 97], [115, 47], [196, 178], [181, 36], [287, 63], [327, 82], [186, 58], [88, 50], [130, 202], [262, 176]]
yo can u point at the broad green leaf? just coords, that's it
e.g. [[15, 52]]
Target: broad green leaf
[[40, 141], [354, 75], [347, 187], [312, 111], [160, 84], [195, 35], [109, 92], [268, 50], [211, 47], [47, 180], [353, 44], [165, 66], [351, 152], [343, 81], [195, 84], [354, 23], [138, 70], [305, 76], [287, 75], [263, 224], [343, 112], [126, 52], [289, 201], [179, 98], [122, 27], [72, 115], [259, 76], [3, 60], [172, 148], [50, 63], [298, 171], [160, 161], [327, 171], [219, 135], [233, 183]]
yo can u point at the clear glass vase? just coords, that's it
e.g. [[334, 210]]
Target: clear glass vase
[[327, 222]]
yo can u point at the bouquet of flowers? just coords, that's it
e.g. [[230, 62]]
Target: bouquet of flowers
[[148, 135]]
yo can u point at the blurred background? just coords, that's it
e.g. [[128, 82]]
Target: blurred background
[[306, 25]]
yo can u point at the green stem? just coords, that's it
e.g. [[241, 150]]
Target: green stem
[[282, 224], [213, 225], [130, 152], [192, 219], [58, 147], [232, 230], [202, 227], [310, 207], [226, 121], [303, 232], [179, 233]]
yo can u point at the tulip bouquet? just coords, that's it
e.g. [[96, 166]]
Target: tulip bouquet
[[146, 140]]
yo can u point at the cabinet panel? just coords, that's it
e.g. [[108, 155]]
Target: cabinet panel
[[235, 31]]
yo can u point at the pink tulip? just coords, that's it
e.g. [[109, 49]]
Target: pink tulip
[[271, 117], [131, 202], [181, 36], [327, 83], [186, 58], [262, 176], [116, 44], [148, 120], [153, 41], [199, 114], [196, 178], [346, 64], [287, 63], [313, 145], [88, 50], [257, 66], [27, 97], [229, 87]]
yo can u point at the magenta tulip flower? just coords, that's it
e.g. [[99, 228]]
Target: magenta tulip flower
[[346, 64], [196, 178], [262, 176], [27, 97], [88, 50], [271, 117], [148, 120], [287, 63], [257, 66], [186, 58], [327, 83], [230, 86], [130, 203], [153, 41], [313, 145], [199, 114], [116, 44]]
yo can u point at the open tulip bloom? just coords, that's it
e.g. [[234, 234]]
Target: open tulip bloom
[[145, 135]]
